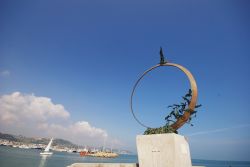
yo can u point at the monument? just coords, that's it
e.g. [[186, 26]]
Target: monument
[[168, 149], [165, 149]]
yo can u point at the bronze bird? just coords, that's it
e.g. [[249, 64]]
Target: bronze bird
[[162, 59]]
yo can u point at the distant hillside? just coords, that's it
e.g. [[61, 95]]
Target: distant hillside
[[23, 139], [45, 141], [8, 137]]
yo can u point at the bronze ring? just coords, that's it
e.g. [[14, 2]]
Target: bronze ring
[[184, 118]]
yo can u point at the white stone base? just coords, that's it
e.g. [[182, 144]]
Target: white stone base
[[163, 150]]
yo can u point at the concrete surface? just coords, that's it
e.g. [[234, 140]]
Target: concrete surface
[[163, 150], [104, 165], [107, 165]]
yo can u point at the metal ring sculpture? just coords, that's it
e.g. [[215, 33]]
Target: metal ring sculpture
[[184, 118]]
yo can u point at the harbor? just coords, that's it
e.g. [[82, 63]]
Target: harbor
[[13, 157], [81, 150]]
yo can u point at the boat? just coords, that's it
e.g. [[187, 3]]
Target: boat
[[23, 146], [84, 152], [46, 151]]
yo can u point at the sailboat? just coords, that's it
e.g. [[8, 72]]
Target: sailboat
[[46, 151]]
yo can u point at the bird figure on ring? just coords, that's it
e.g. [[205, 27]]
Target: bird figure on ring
[[162, 58]]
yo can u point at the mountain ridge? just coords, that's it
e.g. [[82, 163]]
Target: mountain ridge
[[36, 140]]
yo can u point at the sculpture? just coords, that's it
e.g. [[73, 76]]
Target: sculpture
[[193, 93]]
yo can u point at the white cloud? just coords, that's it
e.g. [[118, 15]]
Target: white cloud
[[21, 107], [5, 73], [30, 115], [80, 132]]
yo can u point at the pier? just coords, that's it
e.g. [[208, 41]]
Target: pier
[[108, 165]]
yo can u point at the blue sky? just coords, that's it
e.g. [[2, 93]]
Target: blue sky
[[86, 56]]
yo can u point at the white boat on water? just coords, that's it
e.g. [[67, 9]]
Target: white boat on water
[[46, 151]]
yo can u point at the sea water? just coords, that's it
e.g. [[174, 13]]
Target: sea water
[[16, 157]]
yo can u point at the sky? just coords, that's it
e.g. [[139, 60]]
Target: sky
[[67, 69]]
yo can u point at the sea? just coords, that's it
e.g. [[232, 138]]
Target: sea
[[17, 157]]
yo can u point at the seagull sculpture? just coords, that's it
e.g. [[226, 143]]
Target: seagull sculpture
[[162, 60]]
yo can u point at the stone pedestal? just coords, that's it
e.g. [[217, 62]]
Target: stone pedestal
[[163, 150]]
